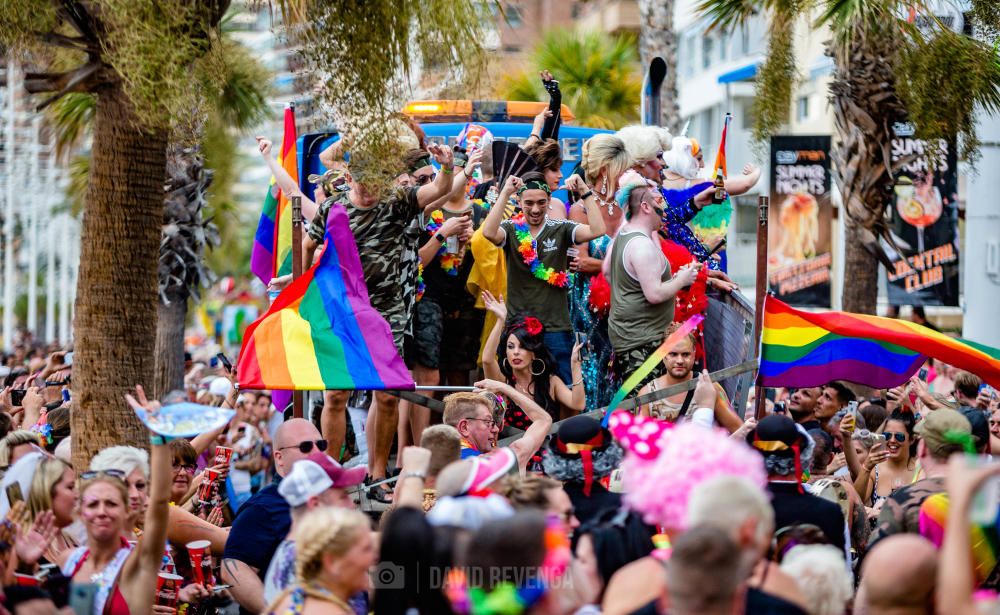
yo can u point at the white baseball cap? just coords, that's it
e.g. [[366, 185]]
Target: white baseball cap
[[307, 479]]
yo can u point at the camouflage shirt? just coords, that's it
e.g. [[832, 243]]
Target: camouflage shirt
[[379, 232], [901, 511]]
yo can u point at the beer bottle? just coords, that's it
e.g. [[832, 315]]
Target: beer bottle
[[720, 189]]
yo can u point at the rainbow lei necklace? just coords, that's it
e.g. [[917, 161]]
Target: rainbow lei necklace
[[528, 250], [421, 287], [449, 263]]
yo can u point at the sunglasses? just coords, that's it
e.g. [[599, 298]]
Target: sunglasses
[[306, 447], [422, 180], [898, 435], [111, 473]]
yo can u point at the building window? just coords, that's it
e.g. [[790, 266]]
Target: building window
[[513, 14], [725, 40], [707, 50], [744, 40], [802, 108], [688, 59]]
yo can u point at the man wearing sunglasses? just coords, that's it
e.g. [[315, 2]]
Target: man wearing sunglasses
[[263, 521]]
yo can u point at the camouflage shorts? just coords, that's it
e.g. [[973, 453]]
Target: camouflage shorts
[[434, 329], [627, 361], [394, 312]]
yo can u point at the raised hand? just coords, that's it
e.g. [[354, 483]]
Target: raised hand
[[575, 183], [31, 542], [264, 146], [442, 155], [496, 306]]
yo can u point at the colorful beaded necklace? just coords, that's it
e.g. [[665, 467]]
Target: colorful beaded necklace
[[527, 248], [449, 263]]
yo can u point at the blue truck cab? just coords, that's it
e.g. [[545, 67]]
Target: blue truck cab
[[442, 121]]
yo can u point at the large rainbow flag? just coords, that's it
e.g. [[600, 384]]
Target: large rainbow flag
[[806, 349], [322, 332], [272, 246]]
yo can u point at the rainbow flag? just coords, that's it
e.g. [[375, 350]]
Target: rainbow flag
[[321, 332], [805, 349], [720, 156], [272, 245]]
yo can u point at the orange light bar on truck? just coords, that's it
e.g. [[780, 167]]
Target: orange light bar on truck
[[478, 111]]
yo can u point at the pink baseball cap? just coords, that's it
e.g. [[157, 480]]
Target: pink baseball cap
[[342, 477]]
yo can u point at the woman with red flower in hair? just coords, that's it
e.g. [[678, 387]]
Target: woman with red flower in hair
[[525, 363]]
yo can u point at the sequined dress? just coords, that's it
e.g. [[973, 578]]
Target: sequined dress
[[678, 213], [599, 384]]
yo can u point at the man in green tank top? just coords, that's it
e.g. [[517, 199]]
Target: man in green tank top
[[643, 293]]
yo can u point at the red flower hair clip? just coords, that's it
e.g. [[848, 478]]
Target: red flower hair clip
[[533, 326]]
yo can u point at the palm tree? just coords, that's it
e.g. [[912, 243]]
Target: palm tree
[[657, 38], [886, 70], [598, 75], [239, 104], [137, 57]]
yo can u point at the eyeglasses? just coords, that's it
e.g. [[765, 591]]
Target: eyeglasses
[[898, 435], [110, 473], [187, 467], [423, 180], [492, 422], [567, 515], [306, 447]]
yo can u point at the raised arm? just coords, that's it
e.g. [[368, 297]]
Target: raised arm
[[541, 422], [491, 225], [740, 184], [288, 185], [537, 125], [441, 186], [333, 154], [410, 489], [491, 369], [643, 256], [955, 578], [594, 227], [551, 128], [141, 568]]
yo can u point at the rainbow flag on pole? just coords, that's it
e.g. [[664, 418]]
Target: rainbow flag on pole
[[322, 332], [272, 246], [806, 349]]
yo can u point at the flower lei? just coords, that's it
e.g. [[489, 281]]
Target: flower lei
[[449, 263], [527, 248], [421, 287]]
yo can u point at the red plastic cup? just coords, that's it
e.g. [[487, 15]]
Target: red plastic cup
[[167, 587], [200, 552], [206, 487], [222, 455]]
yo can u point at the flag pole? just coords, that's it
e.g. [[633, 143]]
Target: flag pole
[[763, 203], [297, 396]]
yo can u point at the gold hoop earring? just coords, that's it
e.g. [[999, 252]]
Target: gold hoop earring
[[539, 372]]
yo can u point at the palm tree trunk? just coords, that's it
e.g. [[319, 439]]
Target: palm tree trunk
[[860, 291], [170, 346], [116, 304], [657, 38]]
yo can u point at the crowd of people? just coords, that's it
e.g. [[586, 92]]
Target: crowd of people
[[839, 499]]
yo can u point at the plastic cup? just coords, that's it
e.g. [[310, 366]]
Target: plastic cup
[[200, 552], [167, 586], [222, 455], [986, 501], [208, 485]]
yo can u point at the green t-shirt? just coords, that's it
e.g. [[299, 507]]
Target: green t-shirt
[[526, 294]]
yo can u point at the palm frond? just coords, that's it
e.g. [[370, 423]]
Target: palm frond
[[71, 118], [728, 14], [598, 75]]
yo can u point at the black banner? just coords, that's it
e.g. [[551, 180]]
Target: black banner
[[924, 223], [799, 234]]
